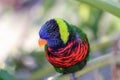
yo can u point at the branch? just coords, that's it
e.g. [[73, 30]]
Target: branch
[[95, 64], [106, 5], [47, 70], [41, 73]]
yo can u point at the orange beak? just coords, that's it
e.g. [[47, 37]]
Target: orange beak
[[42, 42]]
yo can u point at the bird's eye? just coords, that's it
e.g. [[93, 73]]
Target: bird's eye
[[50, 30]]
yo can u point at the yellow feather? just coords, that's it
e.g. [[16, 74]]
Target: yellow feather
[[64, 33]]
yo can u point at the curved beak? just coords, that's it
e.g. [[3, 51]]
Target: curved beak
[[42, 42]]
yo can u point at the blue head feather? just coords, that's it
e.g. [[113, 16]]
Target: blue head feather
[[50, 32]]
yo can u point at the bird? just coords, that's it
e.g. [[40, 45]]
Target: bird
[[66, 46]]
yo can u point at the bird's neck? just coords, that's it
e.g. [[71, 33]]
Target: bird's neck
[[58, 43], [55, 43]]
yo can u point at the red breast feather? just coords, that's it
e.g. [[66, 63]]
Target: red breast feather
[[70, 55]]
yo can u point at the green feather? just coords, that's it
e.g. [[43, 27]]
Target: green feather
[[73, 68], [80, 65], [64, 33]]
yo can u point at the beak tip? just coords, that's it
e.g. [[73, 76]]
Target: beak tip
[[42, 42]]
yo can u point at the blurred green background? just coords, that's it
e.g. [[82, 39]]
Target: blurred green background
[[20, 20]]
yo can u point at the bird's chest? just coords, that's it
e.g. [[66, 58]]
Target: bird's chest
[[65, 51], [64, 57]]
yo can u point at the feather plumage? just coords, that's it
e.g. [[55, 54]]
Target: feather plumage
[[70, 56]]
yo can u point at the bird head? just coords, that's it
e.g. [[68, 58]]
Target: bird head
[[55, 32]]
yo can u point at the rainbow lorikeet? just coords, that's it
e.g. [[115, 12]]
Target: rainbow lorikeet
[[67, 47]]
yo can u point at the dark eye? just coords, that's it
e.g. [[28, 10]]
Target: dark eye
[[50, 30]]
